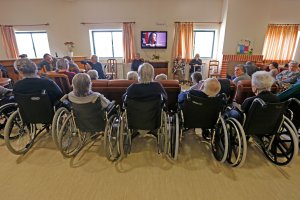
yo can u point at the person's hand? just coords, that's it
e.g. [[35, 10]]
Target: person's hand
[[87, 66]]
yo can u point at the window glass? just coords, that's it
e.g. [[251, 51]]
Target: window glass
[[204, 43]]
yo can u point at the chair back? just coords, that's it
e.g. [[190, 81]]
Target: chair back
[[112, 68], [89, 117], [62, 81], [201, 112], [144, 115], [172, 89], [213, 69], [35, 108], [264, 118]]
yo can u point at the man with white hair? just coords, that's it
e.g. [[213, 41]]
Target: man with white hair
[[289, 76], [209, 88]]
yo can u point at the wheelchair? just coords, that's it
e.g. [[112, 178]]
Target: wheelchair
[[144, 115], [5, 111], [271, 131], [33, 116], [294, 114], [86, 122], [206, 113]]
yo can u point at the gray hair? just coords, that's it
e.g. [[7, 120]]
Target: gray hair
[[160, 77], [262, 80], [196, 77], [81, 85], [242, 67], [62, 64], [211, 87], [132, 75], [26, 67], [146, 73], [93, 74]]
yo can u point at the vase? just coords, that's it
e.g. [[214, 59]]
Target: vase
[[71, 53]]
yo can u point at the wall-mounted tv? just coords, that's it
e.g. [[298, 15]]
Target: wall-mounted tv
[[154, 39]]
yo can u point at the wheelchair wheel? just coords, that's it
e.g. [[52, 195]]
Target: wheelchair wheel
[[282, 147], [173, 136], [70, 140], [237, 148], [219, 141], [60, 115], [18, 137], [125, 136], [5, 111], [112, 138], [162, 135]]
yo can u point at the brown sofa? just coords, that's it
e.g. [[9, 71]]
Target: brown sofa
[[114, 90], [244, 90]]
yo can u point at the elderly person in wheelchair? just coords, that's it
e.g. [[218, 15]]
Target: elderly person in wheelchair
[[143, 109]]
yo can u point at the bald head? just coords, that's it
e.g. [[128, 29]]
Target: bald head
[[211, 87]]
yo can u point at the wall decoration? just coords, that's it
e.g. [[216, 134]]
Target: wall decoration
[[245, 47]]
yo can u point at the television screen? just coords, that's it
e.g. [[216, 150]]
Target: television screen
[[154, 39]]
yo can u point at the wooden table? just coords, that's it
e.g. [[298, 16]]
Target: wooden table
[[5, 81]]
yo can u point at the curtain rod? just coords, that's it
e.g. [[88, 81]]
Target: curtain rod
[[282, 24], [91, 23], [47, 24], [201, 22]]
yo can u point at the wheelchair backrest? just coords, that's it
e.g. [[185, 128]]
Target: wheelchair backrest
[[264, 118], [201, 112], [35, 108], [89, 117], [144, 115]]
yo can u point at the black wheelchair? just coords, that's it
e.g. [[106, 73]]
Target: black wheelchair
[[33, 116], [273, 132], [86, 122], [5, 111], [144, 115], [206, 113], [294, 114]]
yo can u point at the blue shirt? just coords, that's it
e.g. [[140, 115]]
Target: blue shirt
[[135, 64], [98, 67]]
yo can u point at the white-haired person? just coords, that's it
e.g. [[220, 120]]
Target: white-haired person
[[161, 77], [63, 68], [209, 88], [261, 84], [287, 77], [82, 92], [32, 83], [93, 74], [132, 75], [145, 88]]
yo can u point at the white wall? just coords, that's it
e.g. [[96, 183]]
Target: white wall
[[65, 17]]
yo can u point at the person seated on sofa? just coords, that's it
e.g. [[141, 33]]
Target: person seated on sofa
[[132, 75], [32, 83], [161, 77], [287, 77], [273, 67], [292, 92], [48, 62], [94, 64], [250, 68], [93, 74], [73, 67], [63, 68], [240, 73], [196, 78]]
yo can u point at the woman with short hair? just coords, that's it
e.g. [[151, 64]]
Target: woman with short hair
[[93, 74]]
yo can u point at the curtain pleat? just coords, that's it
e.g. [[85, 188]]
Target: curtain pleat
[[128, 41], [9, 41]]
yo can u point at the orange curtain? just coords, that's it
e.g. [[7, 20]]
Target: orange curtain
[[280, 43], [183, 40], [9, 41], [128, 41]]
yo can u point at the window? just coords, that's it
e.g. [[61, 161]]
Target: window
[[107, 44], [34, 44], [204, 43]]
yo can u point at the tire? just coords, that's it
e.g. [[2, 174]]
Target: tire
[[58, 120], [219, 141], [5, 111], [18, 137], [173, 143], [112, 140]]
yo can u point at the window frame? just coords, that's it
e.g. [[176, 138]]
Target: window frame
[[111, 31], [213, 42], [33, 32]]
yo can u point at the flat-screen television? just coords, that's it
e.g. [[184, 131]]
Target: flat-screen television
[[154, 39]]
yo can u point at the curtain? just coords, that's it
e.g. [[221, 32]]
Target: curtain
[[183, 40], [280, 41], [128, 41], [9, 41]]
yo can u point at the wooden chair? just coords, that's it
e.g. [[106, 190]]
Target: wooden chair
[[61, 80], [112, 68], [213, 69]]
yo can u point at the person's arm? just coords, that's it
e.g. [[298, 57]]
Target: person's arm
[[54, 91], [247, 104], [292, 79], [104, 101], [182, 97]]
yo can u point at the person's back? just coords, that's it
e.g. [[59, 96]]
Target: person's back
[[32, 83], [250, 68]]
